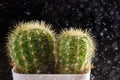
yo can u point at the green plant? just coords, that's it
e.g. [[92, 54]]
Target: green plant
[[75, 48], [31, 47]]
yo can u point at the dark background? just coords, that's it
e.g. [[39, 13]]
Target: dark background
[[101, 17]]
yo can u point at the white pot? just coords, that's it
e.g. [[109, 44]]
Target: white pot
[[18, 76]]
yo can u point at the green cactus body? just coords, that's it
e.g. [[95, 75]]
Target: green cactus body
[[75, 52], [31, 47]]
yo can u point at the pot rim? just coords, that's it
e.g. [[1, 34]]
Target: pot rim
[[13, 71]]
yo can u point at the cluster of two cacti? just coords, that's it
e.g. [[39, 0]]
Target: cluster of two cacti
[[34, 49]]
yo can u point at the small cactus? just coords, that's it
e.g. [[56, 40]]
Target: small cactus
[[31, 47], [75, 48]]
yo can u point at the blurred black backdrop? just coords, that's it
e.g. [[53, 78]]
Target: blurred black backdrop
[[101, 17]]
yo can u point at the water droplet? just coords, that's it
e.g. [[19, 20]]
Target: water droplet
[[82, 5], [115, 46], [27, 13], [101, 34], [108, 61], [1, 4], [105, 29], [111, 12], [69, 6]]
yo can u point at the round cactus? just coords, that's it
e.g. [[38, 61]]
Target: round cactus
[[76, 49], [31, 47]]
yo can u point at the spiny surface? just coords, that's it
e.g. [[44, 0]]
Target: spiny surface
[[75, 51], [32, 49]]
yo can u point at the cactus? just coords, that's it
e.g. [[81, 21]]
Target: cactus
[[31, 47], [76, 49]]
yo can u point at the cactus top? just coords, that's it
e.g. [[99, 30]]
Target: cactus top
[[79, 33], [23, 26]]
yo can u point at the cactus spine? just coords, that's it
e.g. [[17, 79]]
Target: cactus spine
[[31, 47], [75, 48]]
